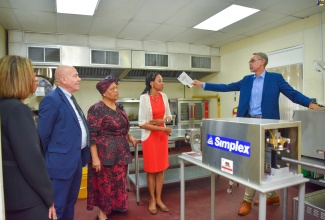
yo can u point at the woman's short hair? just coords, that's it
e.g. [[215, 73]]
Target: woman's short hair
[[16, 77]]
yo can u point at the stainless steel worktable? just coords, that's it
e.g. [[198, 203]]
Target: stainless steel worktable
[[263, 190]]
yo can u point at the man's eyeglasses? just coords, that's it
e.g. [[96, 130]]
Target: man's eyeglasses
[[252, 60]]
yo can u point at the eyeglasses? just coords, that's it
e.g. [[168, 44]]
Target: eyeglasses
[[252, 60]]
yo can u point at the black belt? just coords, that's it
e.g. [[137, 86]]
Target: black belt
[[255, 116]]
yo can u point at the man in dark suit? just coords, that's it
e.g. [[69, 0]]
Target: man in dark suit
[[64, 133], [259, 98]]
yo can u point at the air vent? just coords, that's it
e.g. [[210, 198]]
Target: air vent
[[105, 57], [44, 54], [160, 60], [201, 62]]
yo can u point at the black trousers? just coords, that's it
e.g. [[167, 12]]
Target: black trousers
[[39, 212]]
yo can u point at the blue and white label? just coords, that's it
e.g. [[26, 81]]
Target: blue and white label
[[234, 146]]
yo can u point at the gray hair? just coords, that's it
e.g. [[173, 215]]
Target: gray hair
[[263, 56]]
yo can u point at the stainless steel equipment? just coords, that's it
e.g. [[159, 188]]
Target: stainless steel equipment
[[314, 206], [193, 136], [312, 132], [251, 149], [189, 111]]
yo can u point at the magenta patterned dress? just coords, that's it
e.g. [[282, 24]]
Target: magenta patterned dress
[[107, 189]]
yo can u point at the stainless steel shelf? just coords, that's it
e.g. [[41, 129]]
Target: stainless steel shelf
[[173, 175]]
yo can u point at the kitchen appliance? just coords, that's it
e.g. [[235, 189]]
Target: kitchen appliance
[[191, 111], [312, 132], [193, 137], [131, 107], [252, 150]]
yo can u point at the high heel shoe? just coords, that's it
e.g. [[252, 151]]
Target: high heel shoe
[[163, 208], [152, 211]]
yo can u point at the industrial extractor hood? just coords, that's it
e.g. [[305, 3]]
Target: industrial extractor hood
[[126, 65]]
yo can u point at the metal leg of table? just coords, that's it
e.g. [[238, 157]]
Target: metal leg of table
[[137, 174], [128, 179], [284, 203], [301, 202], [213, 196], [182, 177], [262, 207]]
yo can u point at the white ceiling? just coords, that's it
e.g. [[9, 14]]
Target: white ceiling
[[156, 20]]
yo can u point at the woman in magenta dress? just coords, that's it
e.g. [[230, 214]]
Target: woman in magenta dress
[[154, 112], [110, 151]]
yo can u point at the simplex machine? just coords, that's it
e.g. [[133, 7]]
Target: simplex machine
[[252, 152], [263, 154], [250, 149]]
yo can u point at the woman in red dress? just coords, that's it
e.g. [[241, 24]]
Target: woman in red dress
[[154, 112], [110, 152]]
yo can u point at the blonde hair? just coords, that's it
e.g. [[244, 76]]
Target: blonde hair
[[16, 77]]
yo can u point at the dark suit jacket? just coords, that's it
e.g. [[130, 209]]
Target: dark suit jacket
[[274, 84], [25, 178], [60, 133]]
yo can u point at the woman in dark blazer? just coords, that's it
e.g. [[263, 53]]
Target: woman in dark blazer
[[28, 192]]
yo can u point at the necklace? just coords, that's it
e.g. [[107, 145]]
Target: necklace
[[155, 97]]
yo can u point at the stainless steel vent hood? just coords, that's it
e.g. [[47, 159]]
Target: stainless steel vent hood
[[136, 75], [132, 65]]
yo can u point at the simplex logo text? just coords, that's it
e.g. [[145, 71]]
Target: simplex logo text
[[231, 145]]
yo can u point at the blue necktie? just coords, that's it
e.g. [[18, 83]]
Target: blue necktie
[[82, 116]]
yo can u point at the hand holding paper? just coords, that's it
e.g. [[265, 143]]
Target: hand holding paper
[[185, 79]]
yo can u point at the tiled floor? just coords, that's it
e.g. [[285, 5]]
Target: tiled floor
[[197, 203]]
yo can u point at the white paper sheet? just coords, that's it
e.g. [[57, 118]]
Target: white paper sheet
[[185, 79]]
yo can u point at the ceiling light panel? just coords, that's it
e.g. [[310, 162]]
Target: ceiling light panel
[[79, 7], [226, 17]]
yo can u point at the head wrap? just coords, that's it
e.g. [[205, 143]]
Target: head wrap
[[103, 85]]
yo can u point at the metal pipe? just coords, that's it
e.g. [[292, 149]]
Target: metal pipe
[[317, 167]]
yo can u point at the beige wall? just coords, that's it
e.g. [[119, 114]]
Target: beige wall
[[235, 57], [3, 42], [88, 94]]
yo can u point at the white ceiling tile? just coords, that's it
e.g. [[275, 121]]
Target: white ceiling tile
[[34, 5], [4, 4], [152, 10], [196, 12], [229, 40], [78, 24], [118, 9], [8, 19], [252, 22], [272, 25], [191, 35], [257, 4], [165, 32], [137, 30], [310, 11], [106, 27], [211, 39], [290, 7], [42, 22]]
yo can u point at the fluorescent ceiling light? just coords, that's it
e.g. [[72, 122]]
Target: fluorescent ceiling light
[[226, 17], [79, 7]]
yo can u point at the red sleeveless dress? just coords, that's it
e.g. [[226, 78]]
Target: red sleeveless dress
[[155, 148]]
